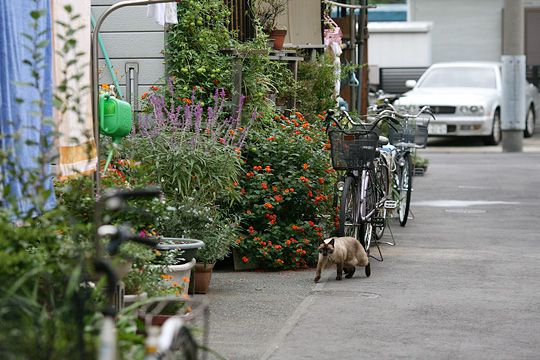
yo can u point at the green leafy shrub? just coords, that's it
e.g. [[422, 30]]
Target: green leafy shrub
[[206, 222], [286, 206], [315, 86], [193, 53]]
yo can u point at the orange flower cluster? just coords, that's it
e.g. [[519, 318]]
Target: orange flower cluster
[[272, 218]]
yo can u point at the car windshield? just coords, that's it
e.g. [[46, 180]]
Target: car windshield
[[474, 77]]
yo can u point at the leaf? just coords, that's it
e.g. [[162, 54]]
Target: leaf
[[36, 14]]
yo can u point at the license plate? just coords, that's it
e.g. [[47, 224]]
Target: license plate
[[437, 129]]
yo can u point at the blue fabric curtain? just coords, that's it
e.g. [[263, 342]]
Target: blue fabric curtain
[[24, 124]]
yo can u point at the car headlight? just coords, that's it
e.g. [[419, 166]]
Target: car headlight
[[472, 110]]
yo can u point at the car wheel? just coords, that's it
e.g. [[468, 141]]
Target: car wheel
[[530, 122], [495, 137]]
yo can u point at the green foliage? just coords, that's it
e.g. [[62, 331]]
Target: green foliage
[[205, 172], [315, 86], [193, 49], [265, 83], [45, 295], [196, 220], [287, 193]]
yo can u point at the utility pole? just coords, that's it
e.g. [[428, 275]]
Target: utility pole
[[513, 77]]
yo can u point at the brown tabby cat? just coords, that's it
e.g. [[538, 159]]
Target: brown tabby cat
[[346, 253]]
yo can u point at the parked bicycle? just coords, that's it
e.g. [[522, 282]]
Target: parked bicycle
[[411, 134], [173, 339], [364, 188]]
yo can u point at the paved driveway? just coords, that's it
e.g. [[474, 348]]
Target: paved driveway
[[462, 283]]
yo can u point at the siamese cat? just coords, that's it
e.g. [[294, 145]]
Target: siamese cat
[[346, 253]]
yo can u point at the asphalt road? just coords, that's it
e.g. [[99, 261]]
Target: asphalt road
[[462, 282]]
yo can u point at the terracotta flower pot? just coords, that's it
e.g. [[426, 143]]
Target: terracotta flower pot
[[279, 38], [202, 277]]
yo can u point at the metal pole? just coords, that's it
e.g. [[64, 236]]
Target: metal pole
[[513, 76], [353, 52], [95, 74], [363, 59]]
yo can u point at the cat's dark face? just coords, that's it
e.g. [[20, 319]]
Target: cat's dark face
[[326, 248]]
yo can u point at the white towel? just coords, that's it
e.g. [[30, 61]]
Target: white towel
[[163, 13]]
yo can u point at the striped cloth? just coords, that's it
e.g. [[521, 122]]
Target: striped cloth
[[76, 145]]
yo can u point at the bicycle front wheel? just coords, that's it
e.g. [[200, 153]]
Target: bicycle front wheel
[[349, 211], [368, 204], [405, 188]]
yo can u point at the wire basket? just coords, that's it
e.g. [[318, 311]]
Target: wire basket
[[351, 150], [411, 132]]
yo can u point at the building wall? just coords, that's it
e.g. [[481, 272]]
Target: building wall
[[131, 37], [462, 29], [400, 44], [303, 22]]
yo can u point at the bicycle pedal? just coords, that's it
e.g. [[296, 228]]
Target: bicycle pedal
[[390, 204], [378, 221]]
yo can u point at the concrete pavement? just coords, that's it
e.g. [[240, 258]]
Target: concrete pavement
[[462, 283]]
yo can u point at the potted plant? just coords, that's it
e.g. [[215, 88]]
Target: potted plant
[[267, 13], [217, 245], [194, 219]]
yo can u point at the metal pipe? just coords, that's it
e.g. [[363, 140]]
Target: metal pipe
[[95, 75], [349, 6]]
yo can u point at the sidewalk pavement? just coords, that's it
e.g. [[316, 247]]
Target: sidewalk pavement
[[461, 283]]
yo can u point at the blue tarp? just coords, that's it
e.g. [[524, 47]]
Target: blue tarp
[[23, 125]]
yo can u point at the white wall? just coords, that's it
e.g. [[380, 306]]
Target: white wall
[[399, 44], [462, 29]]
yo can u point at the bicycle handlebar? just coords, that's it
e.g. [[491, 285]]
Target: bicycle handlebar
[[123, 194], [369, 126], [120, 234]]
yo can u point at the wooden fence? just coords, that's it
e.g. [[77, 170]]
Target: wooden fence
[[241, 18]]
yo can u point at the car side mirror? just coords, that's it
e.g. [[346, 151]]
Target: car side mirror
[[410, 84]]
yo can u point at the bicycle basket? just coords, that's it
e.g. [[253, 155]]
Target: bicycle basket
[[352, 150], [410, 132]]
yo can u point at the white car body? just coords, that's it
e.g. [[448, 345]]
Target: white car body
[[465, 111]]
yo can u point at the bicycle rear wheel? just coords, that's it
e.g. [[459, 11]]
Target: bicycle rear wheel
[[348, 209], [405, 188]]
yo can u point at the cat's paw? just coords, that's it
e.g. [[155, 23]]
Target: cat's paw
[[350, 272], [338, 277], [368, 270], [317, 278]]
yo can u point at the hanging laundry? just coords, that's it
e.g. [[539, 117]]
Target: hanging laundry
[[333, 41], [165, 13], [25, 137], [77, 149]]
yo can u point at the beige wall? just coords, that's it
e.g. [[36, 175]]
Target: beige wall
[[303, 22]]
